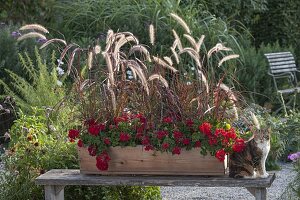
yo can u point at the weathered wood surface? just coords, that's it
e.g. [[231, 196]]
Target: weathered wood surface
[[135, 160], [73, 177], [281, 62]]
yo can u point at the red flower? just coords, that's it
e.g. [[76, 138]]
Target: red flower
[[145, 140], [95, 129], [239, 145], [90, 122], [71, 140], [205, 128], [124, 137], [102, 161], [186, 141], [220, 132], [117, 120], [141, 118], [197, 144], [149, 147], [92, 150], [167, 120], [212, 141], [176, 150], [139, 136], [106, 141], [177, 135], [161, 134], [80, 143], [220, 154], [231, 134], [73, 133], [165, 146], [189, 122]]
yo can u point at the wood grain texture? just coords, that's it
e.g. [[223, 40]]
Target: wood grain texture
[[73, 177], [135, 160]]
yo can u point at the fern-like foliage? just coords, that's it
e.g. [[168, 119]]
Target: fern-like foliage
[[41, 90]]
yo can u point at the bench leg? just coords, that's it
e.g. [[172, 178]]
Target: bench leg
[[54, 192], [258, 193]]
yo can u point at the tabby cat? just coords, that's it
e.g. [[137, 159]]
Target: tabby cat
[[250, 163]]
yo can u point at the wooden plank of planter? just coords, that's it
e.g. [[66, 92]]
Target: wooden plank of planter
[[135, 160]]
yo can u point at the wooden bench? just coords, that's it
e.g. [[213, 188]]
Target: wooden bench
[[55, 180]]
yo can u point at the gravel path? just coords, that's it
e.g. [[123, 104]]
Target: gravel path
[[282, 180]]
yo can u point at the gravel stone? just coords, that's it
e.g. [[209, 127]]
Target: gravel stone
[[283, 178]]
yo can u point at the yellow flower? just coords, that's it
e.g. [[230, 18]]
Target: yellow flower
[[227, 127]]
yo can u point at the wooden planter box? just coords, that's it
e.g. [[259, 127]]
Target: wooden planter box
[[135, 160]]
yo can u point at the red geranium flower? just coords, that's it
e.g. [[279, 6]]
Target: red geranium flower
[[176, 150], [92, 150], [106, 141], [220, 132], [239, 145], [117, 120], [220, 154], [167, 120], [139, 135], [149, 147], [231, 134], [90, 122], [95, 129], [80, 143], [102, 161], [73, 133], [189, 122], [124, 137], [186, 141], [165, 146], [145, 140], [212, 141], [197, 144], [161, 134], [205, 128], [177, 135]]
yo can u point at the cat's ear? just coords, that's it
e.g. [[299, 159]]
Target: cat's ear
[[255, 121]]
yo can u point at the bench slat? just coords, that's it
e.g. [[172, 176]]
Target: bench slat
[[283, 70], [271, 60], [73, 177], [278, 53], [282, 63]]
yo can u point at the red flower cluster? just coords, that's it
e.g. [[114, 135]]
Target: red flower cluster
[[165, 146], [239, 145], [161, 134], [205, 128], [220, 154], [102, 161], [124, 137], [167, 120], [176, 150], [73, 134], [96, 129], [92, 149], [177, 135]]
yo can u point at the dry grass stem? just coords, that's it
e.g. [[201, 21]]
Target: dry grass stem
[[191, 40], [199, 43], [218, 47], [31, 35], [226, 58], [71, 59], [53, 40], [151, 34], [160, 78], [90, 60], [169, 60], [178, 41], [64, 52], [140, 74], [204, 80], [142, 49], [34, 27], [232, 98], [164, 64], [109, 68], [175, 55], [181, 22]]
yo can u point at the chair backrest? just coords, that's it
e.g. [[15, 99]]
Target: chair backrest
[[281, 62]]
